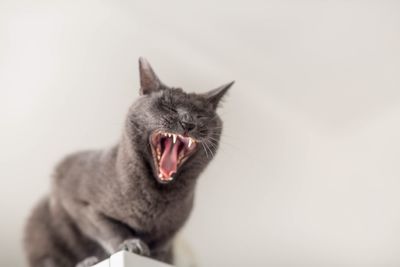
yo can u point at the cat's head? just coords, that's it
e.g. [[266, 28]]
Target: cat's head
[[175, 131]]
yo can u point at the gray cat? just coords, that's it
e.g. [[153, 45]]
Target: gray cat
[[135, 195]]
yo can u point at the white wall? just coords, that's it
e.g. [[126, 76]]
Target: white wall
[[308, 172]]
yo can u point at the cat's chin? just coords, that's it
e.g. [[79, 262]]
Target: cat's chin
[[170, 151]]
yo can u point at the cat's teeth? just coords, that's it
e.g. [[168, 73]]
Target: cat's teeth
[[169, 135], [190, 142], [165, 134], [160, 175], [158, 150], [174, 137]]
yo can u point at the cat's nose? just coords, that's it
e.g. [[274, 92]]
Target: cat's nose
[[186, 122], [187, 126]]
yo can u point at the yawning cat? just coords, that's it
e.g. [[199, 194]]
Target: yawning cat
[[135, 195]]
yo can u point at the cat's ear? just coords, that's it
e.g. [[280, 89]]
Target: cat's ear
[[149, 82], [214, 96]]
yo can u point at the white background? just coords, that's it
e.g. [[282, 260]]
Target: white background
[[308, 171]]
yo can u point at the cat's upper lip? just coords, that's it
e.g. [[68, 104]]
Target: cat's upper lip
[[170, 151]]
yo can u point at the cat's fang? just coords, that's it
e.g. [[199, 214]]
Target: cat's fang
[[190, 142], [174, 137]]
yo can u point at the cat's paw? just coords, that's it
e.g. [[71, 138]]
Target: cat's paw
[[136, 246], [90, 261]]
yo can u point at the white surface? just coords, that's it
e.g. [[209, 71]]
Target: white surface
[[308, 172], [126, 259]]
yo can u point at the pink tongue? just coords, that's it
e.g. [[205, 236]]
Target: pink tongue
[[169, 159]]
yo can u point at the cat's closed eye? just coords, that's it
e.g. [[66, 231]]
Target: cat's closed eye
[[201, 117], [168, 107]]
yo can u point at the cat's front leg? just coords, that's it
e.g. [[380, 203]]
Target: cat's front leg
[[135, 245], [90, 261], [109, 233]]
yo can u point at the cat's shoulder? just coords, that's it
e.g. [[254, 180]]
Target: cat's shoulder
[[76, 161]]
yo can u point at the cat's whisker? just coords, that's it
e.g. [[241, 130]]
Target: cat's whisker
[[214, 141], [223, 142], [209, 149], [221, 135], [214, 146], [212, 153], [212, 138], [204, 149], [205, 143]]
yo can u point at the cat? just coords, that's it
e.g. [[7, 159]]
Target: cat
[[136, 195]]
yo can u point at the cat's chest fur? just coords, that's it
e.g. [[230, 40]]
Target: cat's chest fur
[[152, 213]]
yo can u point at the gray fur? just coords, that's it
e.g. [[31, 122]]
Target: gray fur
[[103, 201]]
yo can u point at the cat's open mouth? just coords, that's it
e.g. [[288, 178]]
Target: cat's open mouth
[[170, 151]]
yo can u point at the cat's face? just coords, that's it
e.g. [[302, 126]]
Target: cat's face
[[174, 130]]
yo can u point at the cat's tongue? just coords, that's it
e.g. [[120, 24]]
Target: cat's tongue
[[169, 159]]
